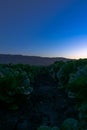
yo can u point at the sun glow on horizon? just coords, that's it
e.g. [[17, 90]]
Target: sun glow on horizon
[[74, 48]]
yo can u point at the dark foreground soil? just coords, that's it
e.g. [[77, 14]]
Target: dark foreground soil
[[47, 105]]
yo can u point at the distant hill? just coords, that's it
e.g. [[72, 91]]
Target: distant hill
[[32, 60]]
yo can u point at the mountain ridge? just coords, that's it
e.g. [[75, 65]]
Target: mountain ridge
[[32, 60]]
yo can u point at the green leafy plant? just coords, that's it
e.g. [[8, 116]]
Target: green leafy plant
[[70, 124], [14, 82]]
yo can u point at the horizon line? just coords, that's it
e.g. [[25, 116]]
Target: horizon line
[[43, 56]]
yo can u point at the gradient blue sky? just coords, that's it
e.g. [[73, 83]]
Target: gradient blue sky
[[51, 28]]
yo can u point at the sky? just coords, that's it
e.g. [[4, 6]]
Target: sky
[[47, 28]]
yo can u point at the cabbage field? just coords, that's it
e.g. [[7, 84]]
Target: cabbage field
[[37, 97]]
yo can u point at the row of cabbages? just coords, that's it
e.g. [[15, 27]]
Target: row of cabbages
[[16, 82], [72, 76]]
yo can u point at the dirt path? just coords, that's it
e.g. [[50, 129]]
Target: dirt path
[[52, 105], [47, 106]]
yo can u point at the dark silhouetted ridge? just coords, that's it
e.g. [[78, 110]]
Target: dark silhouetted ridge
[[32, 60]]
